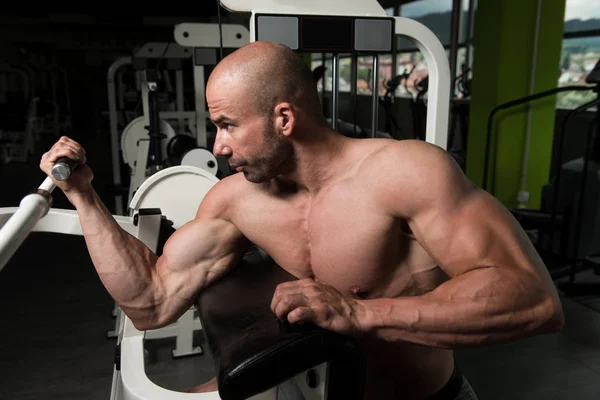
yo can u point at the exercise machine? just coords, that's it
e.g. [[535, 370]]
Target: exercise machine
[[576, 188], [175, 143], [564, 238], [18, 115]]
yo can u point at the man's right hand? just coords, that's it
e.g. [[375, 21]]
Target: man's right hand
[[81, 178]]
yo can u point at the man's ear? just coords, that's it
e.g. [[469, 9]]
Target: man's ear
[[285, 118]]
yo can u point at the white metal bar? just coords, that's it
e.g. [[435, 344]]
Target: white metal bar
[[438, 106], [363, 8], [208, 35], [114, 129], [375, 98], [335, 90], [47, 185], [17, 228]]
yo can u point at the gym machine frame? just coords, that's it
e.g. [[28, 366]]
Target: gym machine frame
[[234, 36]]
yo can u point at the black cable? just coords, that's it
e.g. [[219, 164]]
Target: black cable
[[220, 29]]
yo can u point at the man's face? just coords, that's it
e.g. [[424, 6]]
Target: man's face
[[246, 137]]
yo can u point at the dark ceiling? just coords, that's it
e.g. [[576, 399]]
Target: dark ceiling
[[135, 16]]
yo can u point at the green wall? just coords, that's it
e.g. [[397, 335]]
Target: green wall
[[504, 35]]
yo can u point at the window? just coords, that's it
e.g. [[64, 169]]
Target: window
[[437, 16], [345, 72], [434, 14], [582, 15], [580, 50]]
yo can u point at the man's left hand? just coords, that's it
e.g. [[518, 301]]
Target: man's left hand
[[309, 301]]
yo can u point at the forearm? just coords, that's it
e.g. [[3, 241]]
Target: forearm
[[123, 263], [483, 306]]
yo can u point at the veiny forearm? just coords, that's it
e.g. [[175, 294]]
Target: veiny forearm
[[124, 264], [483, 306]]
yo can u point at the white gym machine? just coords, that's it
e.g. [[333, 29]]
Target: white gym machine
[[131, 142], [16, 146], [138, 146], [152, 201]]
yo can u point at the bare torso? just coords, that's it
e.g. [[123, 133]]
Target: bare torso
[[341, 238]]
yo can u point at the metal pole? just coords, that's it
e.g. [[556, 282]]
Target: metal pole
[[115, 142], [32, 208], [375, 97], [334, 91], [180, 100], [469, 33], [354, 88], [323, 56], [454, 31]]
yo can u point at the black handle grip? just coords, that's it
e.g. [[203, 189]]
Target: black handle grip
[[63, 168]]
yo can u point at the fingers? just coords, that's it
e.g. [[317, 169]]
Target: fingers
[[303, 314], [298, 301], [288, 289], [65, 147], [287, 303]]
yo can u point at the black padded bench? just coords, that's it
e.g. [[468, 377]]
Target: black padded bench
[[253, 351]]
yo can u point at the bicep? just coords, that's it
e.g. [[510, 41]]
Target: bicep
[[197, 254]]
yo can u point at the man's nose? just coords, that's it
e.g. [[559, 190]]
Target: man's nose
[[220, 148]]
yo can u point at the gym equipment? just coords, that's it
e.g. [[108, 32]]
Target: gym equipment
[[159, 55], [252, 349], [18, 116], [566, 195], [488, 136], [35, 214], [157, 192], [201, 158], [543, 223], [299, 25], [582, 178]]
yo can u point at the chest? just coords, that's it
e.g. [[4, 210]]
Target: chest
[[342, 239]]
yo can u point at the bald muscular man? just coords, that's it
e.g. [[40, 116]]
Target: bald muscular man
[[391, 243]]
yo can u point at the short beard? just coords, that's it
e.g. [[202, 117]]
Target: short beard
[[276, 158]]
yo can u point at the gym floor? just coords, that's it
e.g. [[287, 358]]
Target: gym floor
[[55, 315]]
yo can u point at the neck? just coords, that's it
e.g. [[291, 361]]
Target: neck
[[319, 157]]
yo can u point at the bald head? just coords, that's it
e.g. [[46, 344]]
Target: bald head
[[266, 73]]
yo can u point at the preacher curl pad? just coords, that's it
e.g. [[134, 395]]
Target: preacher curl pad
[[253, 351]]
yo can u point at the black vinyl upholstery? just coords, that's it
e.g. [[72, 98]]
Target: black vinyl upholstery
[[254, 351]]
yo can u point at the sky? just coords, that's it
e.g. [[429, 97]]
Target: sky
[[582, 9]]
